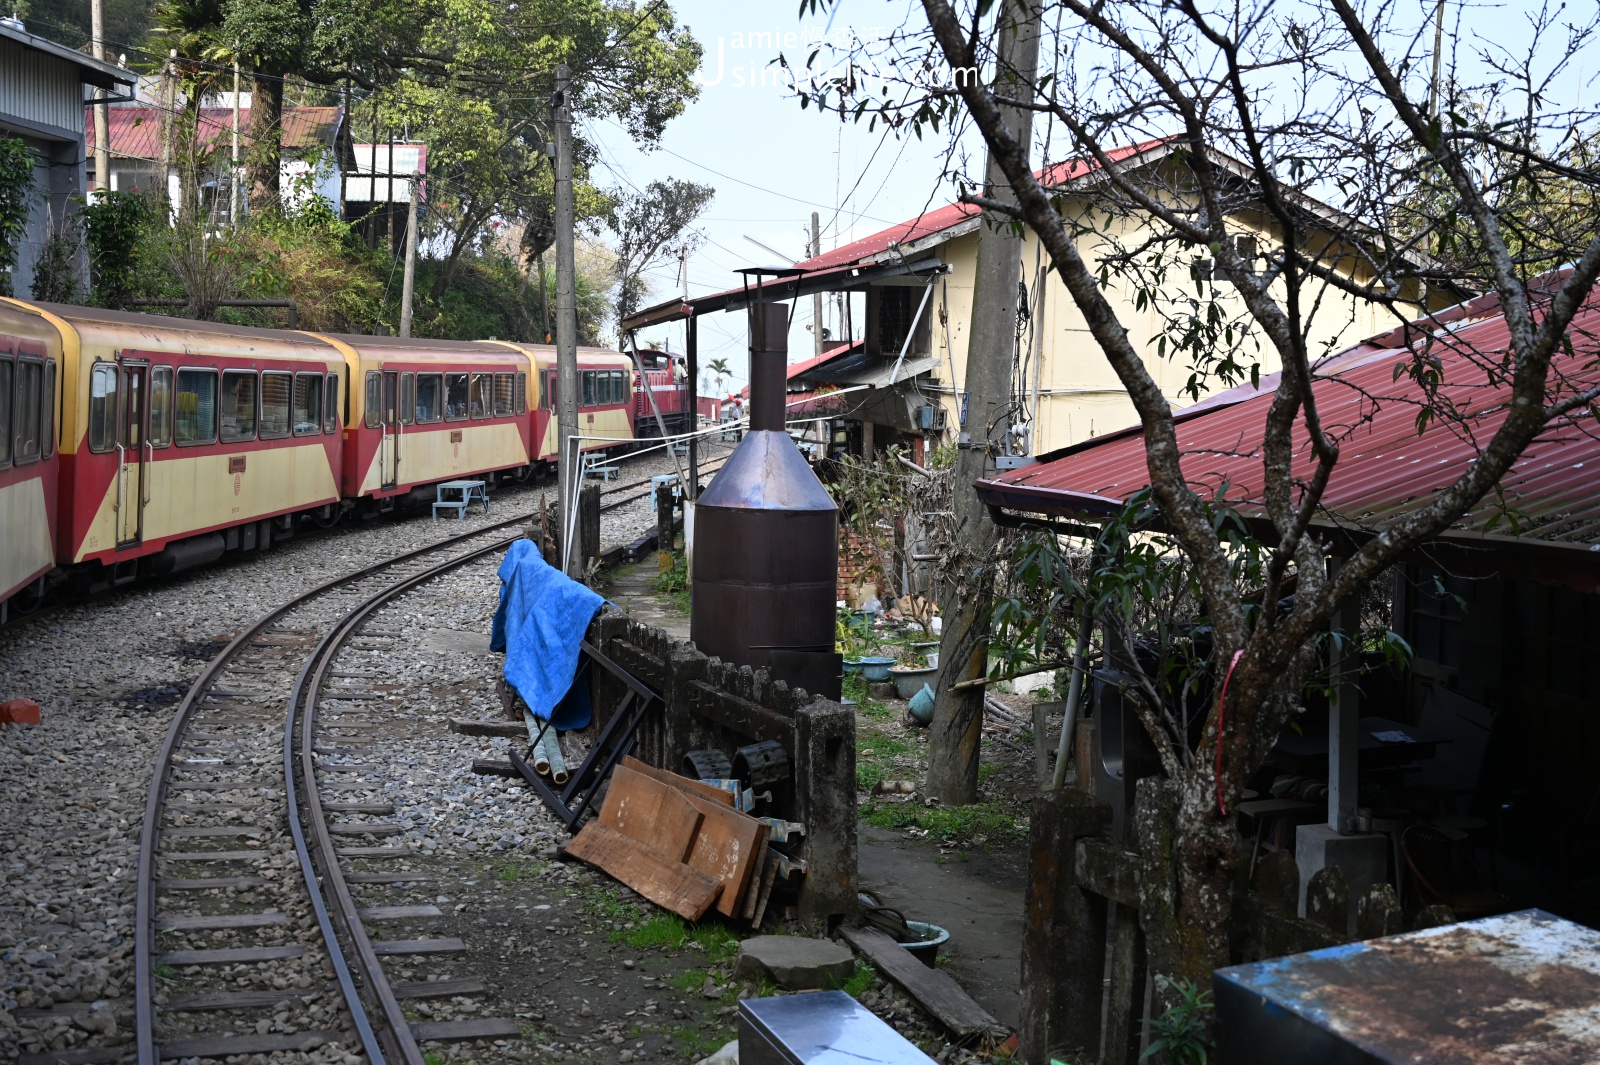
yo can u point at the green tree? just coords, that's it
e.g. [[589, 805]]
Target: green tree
[[652, 227], [270, 38], [115, 227], [16, 191]]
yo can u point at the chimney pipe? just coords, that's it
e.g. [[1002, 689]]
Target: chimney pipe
[[769, 365]]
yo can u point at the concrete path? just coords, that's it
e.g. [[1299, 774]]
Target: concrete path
[[635, 592], [980, 901]]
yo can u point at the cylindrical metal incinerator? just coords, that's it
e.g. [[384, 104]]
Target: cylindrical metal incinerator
[[766, 555]]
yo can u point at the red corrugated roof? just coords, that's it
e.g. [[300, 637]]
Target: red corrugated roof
[[831, 353], [1385, 468], [136, 131], [953, 214]]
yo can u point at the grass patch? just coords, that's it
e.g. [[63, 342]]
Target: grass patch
[[668, 931], [988, 771], [673, 584], [978, 824], [858, 691], [879, 764], [692, 1044], [511, 871], [862, 979]]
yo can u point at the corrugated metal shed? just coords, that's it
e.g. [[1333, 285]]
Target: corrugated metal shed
[[41, 83], [1386, 468]]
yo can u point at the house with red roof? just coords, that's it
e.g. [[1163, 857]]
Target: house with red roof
[[902, 374]]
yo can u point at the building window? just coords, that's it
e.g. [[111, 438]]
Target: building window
[[1436, 620]]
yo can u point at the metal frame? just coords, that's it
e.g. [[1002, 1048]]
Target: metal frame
[[615, 740]]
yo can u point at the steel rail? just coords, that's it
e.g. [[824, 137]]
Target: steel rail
[[150, 828], [329, 878]]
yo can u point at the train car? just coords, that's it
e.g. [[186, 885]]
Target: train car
[[30, 361], [179, 440], [664, 376], [605, 415], [425, 411]]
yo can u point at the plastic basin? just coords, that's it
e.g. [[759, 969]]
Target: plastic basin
[[875, 668], [907, 682], [933, 937]]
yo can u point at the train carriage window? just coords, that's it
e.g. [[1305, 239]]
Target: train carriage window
[[547, 398], [408, 398], [103, 407], [239, 389], [430, 397], [330, 405], [482, 395], [6, 372], [374, 403], [505, 395], [588, 389], [307, 404], [522, 393], [25, 412], [619, 386], [197, 407], [455, 397], [160, 406], [277, 391]]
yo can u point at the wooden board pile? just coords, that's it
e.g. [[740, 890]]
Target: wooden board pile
[[681, 844]]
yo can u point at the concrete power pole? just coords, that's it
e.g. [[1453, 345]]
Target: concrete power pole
[[233, 172], [102, 110], [408, 286], [964, 644], [816, 300], [566, 329]]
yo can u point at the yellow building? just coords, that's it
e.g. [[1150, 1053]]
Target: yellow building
[[910, 354]]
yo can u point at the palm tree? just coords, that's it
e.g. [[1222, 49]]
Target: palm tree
[[719, 367]]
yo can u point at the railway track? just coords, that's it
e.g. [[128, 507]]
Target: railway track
[[259, 832]]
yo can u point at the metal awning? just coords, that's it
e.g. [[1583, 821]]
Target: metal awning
[[803, 283], [871, 371]]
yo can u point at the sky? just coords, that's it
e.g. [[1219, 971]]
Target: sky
[[771, 163]]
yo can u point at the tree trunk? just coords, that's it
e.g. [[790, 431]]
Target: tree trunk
[[964, 647], [265, 158]]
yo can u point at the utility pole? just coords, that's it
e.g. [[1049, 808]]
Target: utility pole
[[169, 102], [964, 644], [408, 286], [691, 354], [567, 463], [1438, 45], [816, 299], [233, 174], [102, 110]]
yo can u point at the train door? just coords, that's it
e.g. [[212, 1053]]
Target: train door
[[133, 440], [390, 446]]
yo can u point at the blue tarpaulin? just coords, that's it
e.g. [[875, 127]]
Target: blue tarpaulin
[[540, 624]]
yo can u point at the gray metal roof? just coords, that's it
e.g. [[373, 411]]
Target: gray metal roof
[[861, 369], [91, 71]]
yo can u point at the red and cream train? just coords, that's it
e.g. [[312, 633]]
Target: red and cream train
[[138, 444]]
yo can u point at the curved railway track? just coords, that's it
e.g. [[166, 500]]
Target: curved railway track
[[253, 754]]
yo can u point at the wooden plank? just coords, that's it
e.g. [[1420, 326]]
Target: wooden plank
[[231, 1000], [482, 727], [726, 848], [399, 913], [933, 989], [657, 816], [212, 831], [496, 767], [438, 988], [682, 783], [379, 808], [389, 947], [769, 877], [386, 878], [671, 885], [215, 921], [347, 767], [229, 955], [75, 1056], [214, 856], [212, 884], [209, 806], [212, 785], [360, 829], [753, 895], [462, 1031], [223, 1046], [375, 852]]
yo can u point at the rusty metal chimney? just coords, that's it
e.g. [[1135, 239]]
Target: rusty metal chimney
[[766, 556]]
